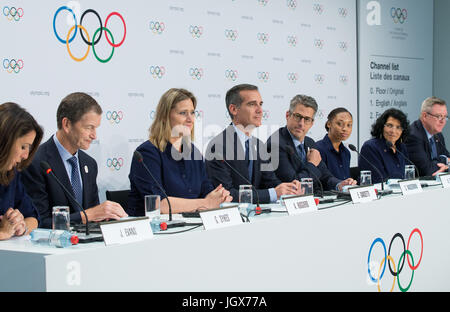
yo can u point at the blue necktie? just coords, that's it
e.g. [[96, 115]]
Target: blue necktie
[[248, 160], [433, 148], [75, 179], [301, 152]]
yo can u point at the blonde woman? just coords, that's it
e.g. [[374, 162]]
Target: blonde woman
[[174, 161]]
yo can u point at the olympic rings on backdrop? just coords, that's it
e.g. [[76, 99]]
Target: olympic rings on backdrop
[[399, 15], [196, 31], [157, 71], [114, 163], [12, 65], [95, 38], [400, 265], [12, 13], [114, 117], [196, 73]]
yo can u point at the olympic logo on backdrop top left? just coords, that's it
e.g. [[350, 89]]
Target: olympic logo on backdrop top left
[[84, 34]]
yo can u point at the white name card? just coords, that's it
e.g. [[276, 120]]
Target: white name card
[[219, 218], [126, 231], [445, 180], [300, 204], [410, 186], [363, 194]]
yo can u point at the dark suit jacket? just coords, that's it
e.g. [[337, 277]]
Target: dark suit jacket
[[419, 149], [291, 167], [227, 146], [46, 192]]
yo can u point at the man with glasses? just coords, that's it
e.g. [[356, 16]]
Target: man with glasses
[[298, 155], [425, 142]]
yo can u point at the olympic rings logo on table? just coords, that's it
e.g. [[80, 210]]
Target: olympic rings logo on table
[[399, 15], [406, 254], [95, 38], [114, 117], [12, 13], [12, 65], [115, 163]]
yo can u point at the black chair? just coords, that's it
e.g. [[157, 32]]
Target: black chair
[[354, 173], [120, 197]]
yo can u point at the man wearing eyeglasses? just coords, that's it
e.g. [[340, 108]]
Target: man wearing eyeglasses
[[425, 142], [298, 156]]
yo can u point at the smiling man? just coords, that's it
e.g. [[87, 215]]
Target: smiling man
[[425, 142], [298, 155], [78, 116], [234, 157]]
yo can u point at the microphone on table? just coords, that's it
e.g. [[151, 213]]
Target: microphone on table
[[383, 191], [258, 209], [48, 170], [171, 223]]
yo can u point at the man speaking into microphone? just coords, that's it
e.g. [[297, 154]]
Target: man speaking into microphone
[[78, 116], [298, 155]]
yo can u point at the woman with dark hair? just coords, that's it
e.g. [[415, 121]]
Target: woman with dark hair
[[20, 136], [389, 132], [333, 152]]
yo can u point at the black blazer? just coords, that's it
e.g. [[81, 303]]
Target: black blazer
[[291, 167], [46, 192], [227, 146], [419, 149]]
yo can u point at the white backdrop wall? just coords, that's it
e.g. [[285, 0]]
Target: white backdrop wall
[[284, 47]]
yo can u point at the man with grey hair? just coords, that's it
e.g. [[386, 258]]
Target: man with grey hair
[[298, 155], [425, 142]]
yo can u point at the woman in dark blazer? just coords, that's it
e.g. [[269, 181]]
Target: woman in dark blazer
[[20, 136], [333, 152], [389, 132], [175, 163]]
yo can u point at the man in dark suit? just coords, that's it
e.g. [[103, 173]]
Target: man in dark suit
[[235, 157], [297, 154], [425, 142], [78, 116]]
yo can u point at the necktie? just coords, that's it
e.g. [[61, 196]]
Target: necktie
[[433, 148], [248, 160], [75, 179], [301, 152]]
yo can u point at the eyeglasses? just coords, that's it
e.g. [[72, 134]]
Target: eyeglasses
[[391, 126], [298, 117], [439, 117]]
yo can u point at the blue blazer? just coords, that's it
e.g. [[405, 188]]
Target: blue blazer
[[291, 167], [383, 158], [46, 192], [227, 146], [14, 196], [419, 149], [185, 178]]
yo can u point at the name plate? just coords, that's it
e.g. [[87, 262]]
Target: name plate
[[126, 231], [219, 218], [300, 204], [445, 180], [363, 194], [410, 186]]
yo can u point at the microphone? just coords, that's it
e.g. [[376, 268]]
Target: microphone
[[382, 192], [390, 145], [48, 170], [258, 206], [171, 223]]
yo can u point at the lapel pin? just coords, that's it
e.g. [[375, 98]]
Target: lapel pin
[[86, 169]]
